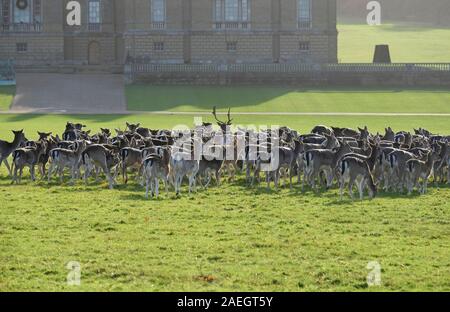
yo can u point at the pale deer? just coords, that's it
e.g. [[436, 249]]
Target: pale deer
[[156, 167], [418, 169], [66, 158], [356, 170]]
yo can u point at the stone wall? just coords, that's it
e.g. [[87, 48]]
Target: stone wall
[[41, 49]]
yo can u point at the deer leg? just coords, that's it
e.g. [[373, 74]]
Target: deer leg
[[177, 184], [108, 177], [410, 184], [425, 185], [61, 175], [218, 177], [341, 187], [124, 174], [350, 187], [20, 174], [14, 176], [361, 189], [50, 172], [147, 186], [166, 184], [156, 187], [87, 172], [32, 173], [448, 175], [5, 161], [276, 179]]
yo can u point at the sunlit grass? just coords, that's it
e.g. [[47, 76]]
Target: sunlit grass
[[407, 43], [231, 238], [6, 97]]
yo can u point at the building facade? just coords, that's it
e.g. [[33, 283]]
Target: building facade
[[35, 32]]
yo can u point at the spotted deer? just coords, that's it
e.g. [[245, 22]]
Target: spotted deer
[[98, 157], [66, 158], [156, 168], [320, 160], [27, 156], [418, 169], [183, 164], [356, 170], [130, 158]]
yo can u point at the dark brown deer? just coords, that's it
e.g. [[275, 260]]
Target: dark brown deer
[[6, 148]]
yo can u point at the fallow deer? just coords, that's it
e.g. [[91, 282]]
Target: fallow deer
[[6, 148], [66, 158], [418, 169], [356, 170], [27, 156]]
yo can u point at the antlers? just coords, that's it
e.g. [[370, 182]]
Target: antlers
[[221, 123]]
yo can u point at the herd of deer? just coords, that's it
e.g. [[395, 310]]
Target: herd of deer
[[395, 161]]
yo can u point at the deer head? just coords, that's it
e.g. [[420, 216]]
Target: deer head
[[223, 125]]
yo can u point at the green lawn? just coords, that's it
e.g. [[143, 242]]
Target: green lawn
[[280, 99], [230, 238], [6, 96], [32, 123], [408, 43]]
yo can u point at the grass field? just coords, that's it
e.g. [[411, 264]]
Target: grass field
[[279, 99], [6, 96], [32, 123], [229, 238], [408, 43]]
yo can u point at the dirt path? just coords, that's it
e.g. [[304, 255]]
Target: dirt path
[[69, 93]]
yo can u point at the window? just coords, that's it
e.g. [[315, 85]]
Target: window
[[231, 14], [158, 13], [304, 46], [22, 11], [231, 10], [94, 11], [20, 15], [158, 46], [304, 14], [232, 46], [21, 47]]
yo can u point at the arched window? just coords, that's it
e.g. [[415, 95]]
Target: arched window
[[304, 14]]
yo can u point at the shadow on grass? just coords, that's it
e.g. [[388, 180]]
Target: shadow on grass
[[97, 118], [203, 98]]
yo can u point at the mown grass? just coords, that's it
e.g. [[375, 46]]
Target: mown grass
[[34, 122], [285, 99], [229, 238], [408, 43], [6, 97]]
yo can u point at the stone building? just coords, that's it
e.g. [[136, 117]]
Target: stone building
[[35, 32]]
